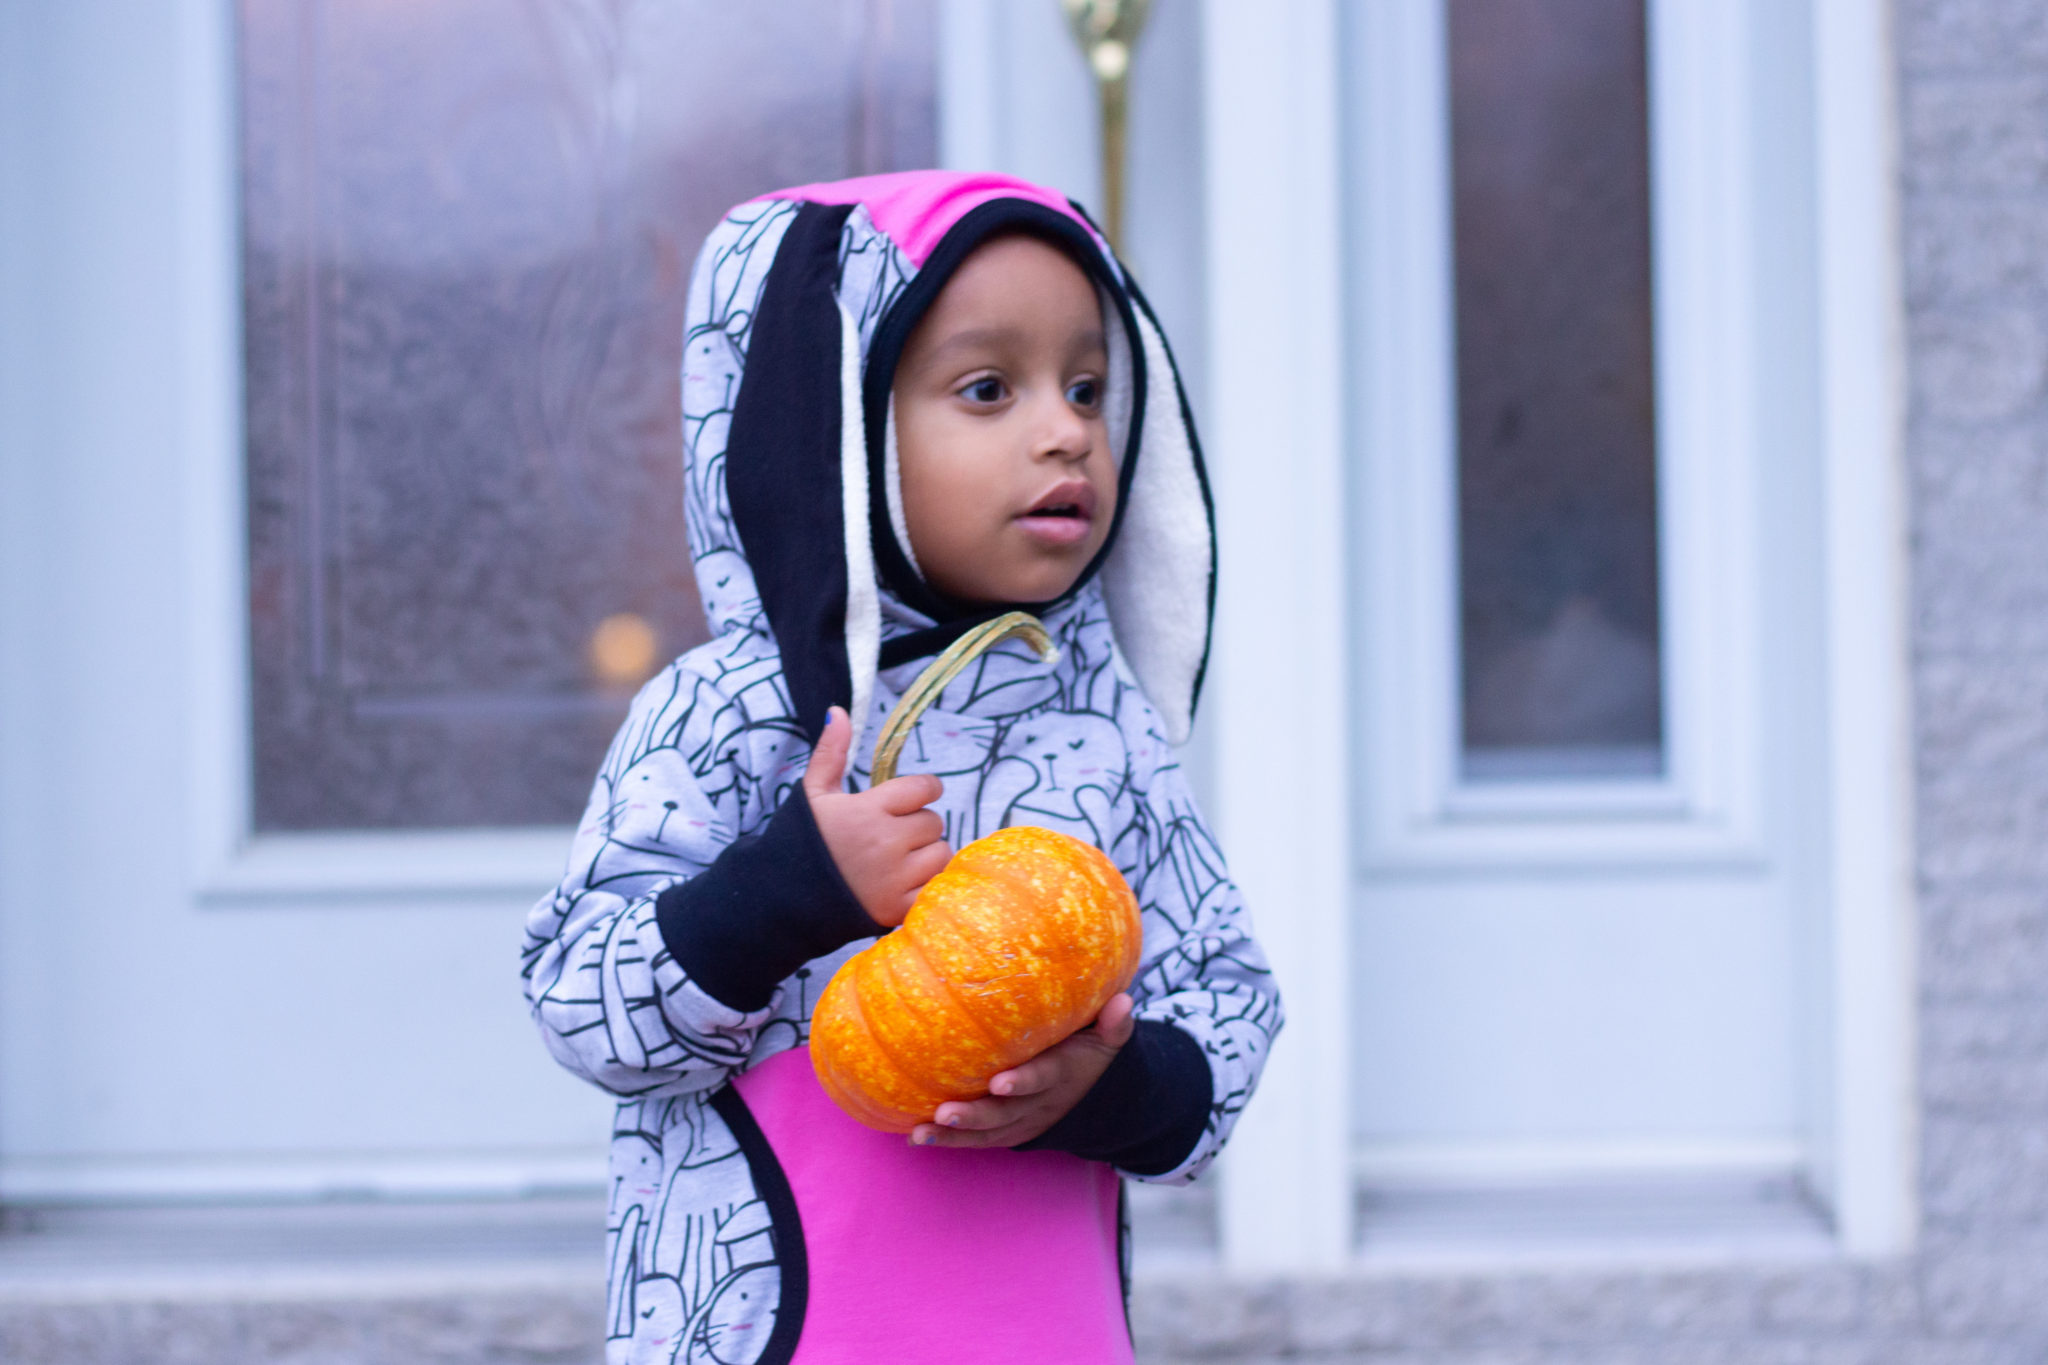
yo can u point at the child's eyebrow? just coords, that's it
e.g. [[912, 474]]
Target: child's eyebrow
[[996, 337], [974, 338]]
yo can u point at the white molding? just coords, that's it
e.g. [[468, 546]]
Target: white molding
[[1417, 813], [228, 863], [1871, 1168], [1276, 445], [309, 1175], [970, 86], [1014, 95], [413, 864], [1479, 1164]]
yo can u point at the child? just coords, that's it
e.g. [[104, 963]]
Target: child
[[911, 402]]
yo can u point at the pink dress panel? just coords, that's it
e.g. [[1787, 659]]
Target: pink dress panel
[[922, 1255]]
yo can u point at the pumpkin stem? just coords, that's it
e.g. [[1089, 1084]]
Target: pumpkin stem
[[942, 671]]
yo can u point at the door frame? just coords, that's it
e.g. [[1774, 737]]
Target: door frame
[[1274, 164]]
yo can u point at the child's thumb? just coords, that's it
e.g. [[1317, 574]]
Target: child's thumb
[[827, 771]]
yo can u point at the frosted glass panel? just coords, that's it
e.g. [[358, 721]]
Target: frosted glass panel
[[468, 228], [1556, 450]]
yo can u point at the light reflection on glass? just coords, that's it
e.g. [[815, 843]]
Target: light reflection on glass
[[468, 227]]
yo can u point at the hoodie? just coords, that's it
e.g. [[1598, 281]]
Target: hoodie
[[701, 915]]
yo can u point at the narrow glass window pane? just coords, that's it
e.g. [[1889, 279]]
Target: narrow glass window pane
[[468, 228], [1557, 533]]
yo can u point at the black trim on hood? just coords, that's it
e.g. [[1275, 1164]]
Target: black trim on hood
[[782, 472], [994, 218]]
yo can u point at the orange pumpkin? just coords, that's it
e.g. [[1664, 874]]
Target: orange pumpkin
[[1018, 943]]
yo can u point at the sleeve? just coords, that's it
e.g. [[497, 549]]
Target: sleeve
[[1203, 990], [652, 966], [1146, 1112]]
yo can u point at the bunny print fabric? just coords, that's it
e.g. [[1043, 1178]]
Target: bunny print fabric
[[715, 747]]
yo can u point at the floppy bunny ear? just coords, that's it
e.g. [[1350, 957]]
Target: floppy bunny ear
[[1160, 578], [796, 476]]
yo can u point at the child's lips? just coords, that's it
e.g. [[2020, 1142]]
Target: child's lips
[[1063, 515], [1052, 529]]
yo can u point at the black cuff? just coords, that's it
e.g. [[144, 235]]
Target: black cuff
[[1147, 1111], [768, 904]]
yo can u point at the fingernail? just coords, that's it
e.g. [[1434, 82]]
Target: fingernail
[[920, 1139], [951, 1120]]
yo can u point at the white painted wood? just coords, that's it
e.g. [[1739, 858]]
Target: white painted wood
[[1275, 439], [485, 1173], [1755, 908], [1870, 1168], [1624, 1223], [1481, 1163], [1418, 812], [454, 865], [970, 85], [172, 992], [1596, 965], [1015, 96]]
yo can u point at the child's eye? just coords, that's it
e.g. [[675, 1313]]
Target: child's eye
[[987, 389], [1084, 393]]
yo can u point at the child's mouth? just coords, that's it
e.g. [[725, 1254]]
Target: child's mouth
[[1063, 515]]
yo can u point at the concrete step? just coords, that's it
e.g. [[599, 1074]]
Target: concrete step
[[502, 1282], [1601, 1270]]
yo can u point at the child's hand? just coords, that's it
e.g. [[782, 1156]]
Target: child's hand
[[1026, 1100], [884, 841]]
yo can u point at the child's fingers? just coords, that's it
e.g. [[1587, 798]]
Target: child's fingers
[[1009, 1135], [827, 771], [910, 792], [973, 1115], [1117, 1021], [1027, 1078], [920, 828], [920, 865]]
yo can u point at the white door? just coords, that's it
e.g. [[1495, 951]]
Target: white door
[[341, 507], [1591, 816]]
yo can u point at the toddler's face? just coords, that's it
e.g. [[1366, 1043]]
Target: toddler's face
[[1008, 482]]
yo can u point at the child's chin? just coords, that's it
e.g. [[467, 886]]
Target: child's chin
[[1036, 577]]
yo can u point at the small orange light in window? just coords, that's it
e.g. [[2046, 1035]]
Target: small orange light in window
[[623, 649]]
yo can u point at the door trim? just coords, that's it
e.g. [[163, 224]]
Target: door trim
[[1416, 811]]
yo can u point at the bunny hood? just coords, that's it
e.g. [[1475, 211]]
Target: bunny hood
[[701, 911], [798, 310]]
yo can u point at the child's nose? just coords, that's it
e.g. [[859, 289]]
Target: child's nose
[[1063, 432]]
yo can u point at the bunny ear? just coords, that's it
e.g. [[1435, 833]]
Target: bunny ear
[[1160, 577], [790, 482]]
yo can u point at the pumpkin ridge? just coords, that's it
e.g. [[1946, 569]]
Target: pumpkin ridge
[[1023, 937], [971, 1052], [882, 1049], [981, 1026], [1013, 879], [874, 1107]]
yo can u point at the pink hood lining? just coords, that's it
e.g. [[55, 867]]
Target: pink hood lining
[[916, 209]]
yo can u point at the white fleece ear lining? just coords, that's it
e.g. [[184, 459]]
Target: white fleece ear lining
[[1120, 392], [1156, 580], [892, 489], [863, 603]]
